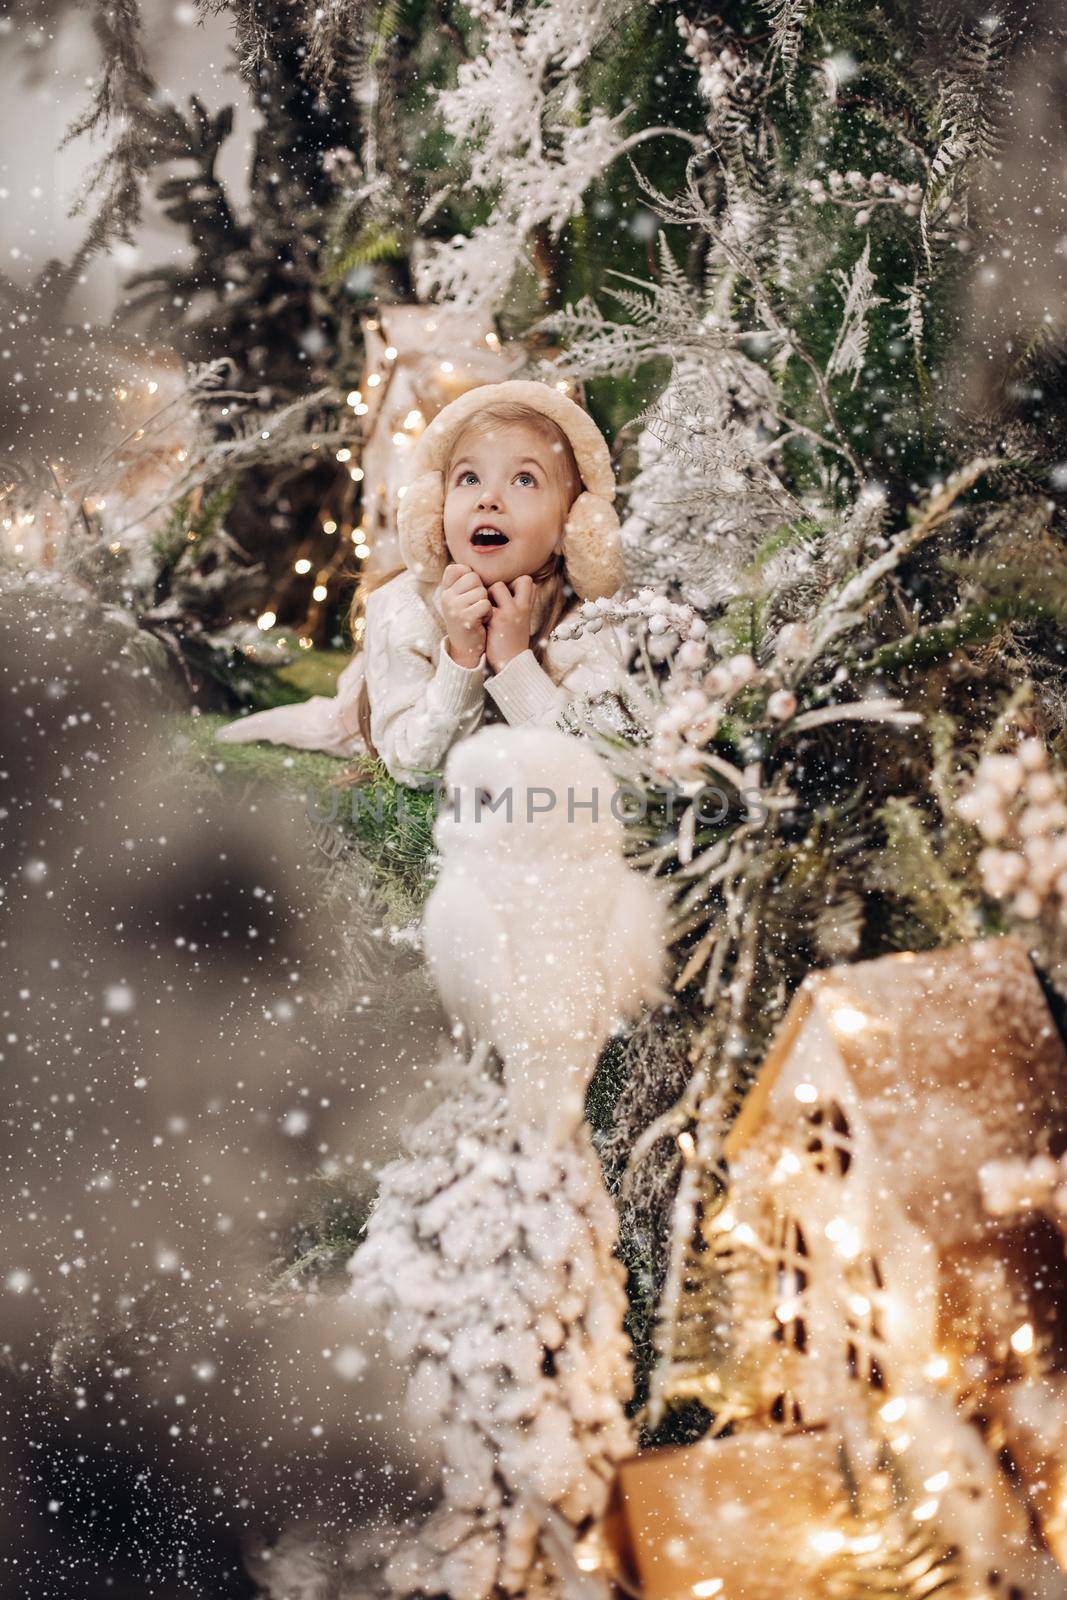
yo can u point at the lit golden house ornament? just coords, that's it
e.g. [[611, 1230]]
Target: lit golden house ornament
[[858, 1250], [882, 1312]]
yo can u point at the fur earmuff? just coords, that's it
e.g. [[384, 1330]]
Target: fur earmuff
[[421, 526], [591, 547]]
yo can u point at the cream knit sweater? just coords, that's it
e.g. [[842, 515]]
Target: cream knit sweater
[[422, 701]]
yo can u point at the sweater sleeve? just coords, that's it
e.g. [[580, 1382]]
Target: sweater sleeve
[[421, 701], [527, 693]]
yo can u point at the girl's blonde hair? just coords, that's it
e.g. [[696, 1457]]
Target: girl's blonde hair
[[551, 598]]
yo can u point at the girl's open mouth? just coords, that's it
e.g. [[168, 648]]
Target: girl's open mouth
[[488, 538]]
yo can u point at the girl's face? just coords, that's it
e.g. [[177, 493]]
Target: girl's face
[[507, 481]]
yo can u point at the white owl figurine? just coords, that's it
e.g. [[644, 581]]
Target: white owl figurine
[[538, 935]]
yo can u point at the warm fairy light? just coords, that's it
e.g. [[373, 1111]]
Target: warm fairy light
[[724, 1219], [122, 394], [356, 474], [706, 1587], [848, 1020], [414, 418], [363, 551], [838, 1231], [446, 366], [588, 1552], [1022, 1339], [319, 592], [304, 642], [936, 1367], [402, 491], [788, 1311], [924, 1512], [827, 1541], [806, 1093], [788, 1161], [344, 454], [390, 352], [563, 386], [329, 526], [686, 1142], [401, 440], [372, 325], [114, 547], [859, 1304], [362, 409], [303, 565], [354, 397], [153, 386], [867, 1543], [266, 620], [743, 1233], [893, 1410], [374, 380], [900, 1443], [183, 455], [848, 1246], [492, 341], [939, 1481]]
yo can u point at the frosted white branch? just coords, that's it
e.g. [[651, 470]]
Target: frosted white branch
[[491, 1261]]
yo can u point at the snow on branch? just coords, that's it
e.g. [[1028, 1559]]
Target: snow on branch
[[787, 23], [515, 112], [491, 1260], [850, 345], [970, 97]]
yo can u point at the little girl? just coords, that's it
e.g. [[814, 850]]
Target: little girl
[[506, 526]]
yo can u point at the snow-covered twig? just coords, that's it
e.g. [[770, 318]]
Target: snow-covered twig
[[492, 1262]]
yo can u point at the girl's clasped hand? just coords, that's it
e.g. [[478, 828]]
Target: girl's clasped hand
[[496, 620]]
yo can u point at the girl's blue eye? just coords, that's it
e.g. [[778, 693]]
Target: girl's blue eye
[[472, 474]]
